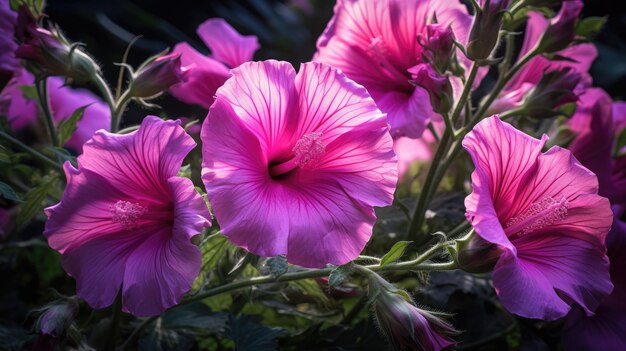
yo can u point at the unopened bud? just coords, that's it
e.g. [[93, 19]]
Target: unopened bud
[[157, 75], [406, 326], [48, 52], [562, 28], [438, 87], [475, 255], [57, 317], [555, 89], [438, 44], [486, 29]]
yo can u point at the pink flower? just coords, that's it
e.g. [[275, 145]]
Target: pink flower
[[8, 18], [206, 74], [294, 163], [157, 75], [529, 76], [606, 329], [410, 150], [542, 210], [22, 112], [375, 43], [125, 220], [562, 29], [437, 86]]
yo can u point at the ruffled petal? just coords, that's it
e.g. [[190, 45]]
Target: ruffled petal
[[251, 211], [159, 272], [204, 77], [226, 44], [504, 158], [263, 97], [139, 163], [408, 114], [191, 213]]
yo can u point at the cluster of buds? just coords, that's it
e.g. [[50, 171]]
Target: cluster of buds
[[406, 326], [485, 30], [156, 75], [56, 318], [438, 86], [438, 44], [562, 28], [48, 53], [555, 89]]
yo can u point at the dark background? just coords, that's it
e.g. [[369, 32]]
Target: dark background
[[287, 30]]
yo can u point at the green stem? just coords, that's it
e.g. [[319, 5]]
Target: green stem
[[120, 106], [467, 88], [32, 151], [44, 104], [105, 91]]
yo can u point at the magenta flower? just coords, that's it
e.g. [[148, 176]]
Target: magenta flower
[[125, 220], [562, 29], [294, 163], [8, 18], [582, 56], [375, 43], [157, 75], [206, 74], [22, 112], [606, 329], [542, 210], [437, 86]]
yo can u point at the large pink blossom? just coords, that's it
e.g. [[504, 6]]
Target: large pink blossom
[[578, 57], [22, 112], [375, 43], [294, 163], [126, 220], [543, 212], [229, 49]]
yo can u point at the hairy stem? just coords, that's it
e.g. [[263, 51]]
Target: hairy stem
[[42, 97]]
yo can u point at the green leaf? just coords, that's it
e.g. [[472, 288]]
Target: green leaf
[[250, 335], [5, 156], [620, 144], [185, 171], [33, 201], [8, 193], [61, 153], [213, 248], [29, 92], [67, 127], [338, 275], [590, 26], [277, 265], [395, 253]]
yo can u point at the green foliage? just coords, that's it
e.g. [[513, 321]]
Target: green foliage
[[590, 26], [34, 200], [338, 275], [249, 335], [277, 265], [8, 193], [397, 250], [67, 127]]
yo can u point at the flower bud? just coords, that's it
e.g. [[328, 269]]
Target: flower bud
[[57, 317], [49, 53], [562, 28], [486, 29], [556, 88], [476, 255], [157, 75], [406, 326], [438, 44], [438, 87]]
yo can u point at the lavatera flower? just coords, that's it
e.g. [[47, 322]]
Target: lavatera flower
[[126, 220], [294, 163], [543, 212]]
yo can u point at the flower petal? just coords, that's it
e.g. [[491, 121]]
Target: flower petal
[[205, 76], [159, 272], [263, 97], [140, 162], [226, 44], [408, 114]]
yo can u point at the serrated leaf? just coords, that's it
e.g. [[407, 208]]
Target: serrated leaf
[[213, 248], [33, 201], [338, 275], [249, 335], [590, 26], [67, 127], [397, 250], [8, 193], [278, 265]]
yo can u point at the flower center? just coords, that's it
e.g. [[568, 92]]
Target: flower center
[[378, 51], [127, 213], [307, 152], [540, 214]]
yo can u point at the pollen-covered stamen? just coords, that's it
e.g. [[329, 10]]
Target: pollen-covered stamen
[[307, 152], [127, 213], [378, 51], [539, 215]]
